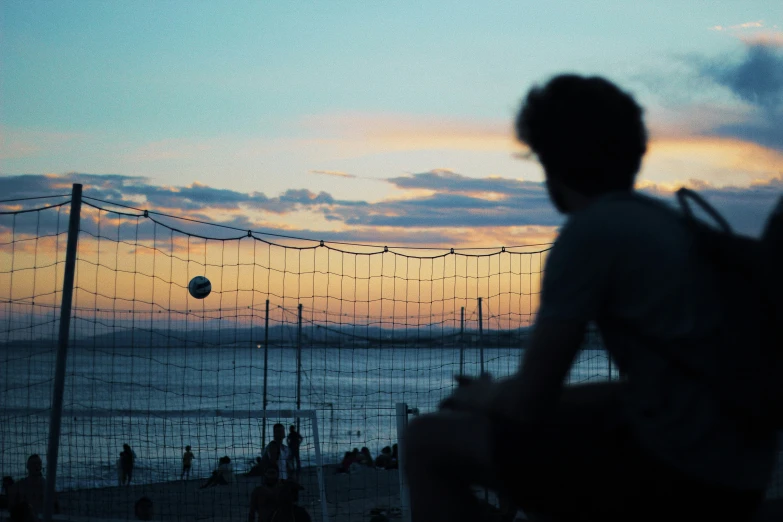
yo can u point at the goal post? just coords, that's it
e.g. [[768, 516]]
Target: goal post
[[402, 427], [158, 435]]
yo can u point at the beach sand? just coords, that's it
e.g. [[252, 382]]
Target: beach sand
[[350, 497]]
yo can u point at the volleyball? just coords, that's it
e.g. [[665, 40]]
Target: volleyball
[[199, 287]]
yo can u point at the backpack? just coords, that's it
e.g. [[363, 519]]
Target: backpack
[[749, 339]]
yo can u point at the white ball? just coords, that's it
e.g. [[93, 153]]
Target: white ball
[[199, 287]]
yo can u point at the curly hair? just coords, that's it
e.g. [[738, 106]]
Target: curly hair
[[585, 131]]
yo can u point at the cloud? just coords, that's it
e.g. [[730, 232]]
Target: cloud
[[756, 79], [391, 132], [722, 161], [437, 208], [23, 143], [335, 173], [744, 25], [764, 38]]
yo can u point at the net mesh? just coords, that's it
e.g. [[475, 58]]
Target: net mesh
[[345, 330]]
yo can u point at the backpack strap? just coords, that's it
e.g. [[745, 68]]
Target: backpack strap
[[684, 194]]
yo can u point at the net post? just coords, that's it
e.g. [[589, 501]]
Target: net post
[[462, 341], [266, 366], [62, 352], [319, 470], [481, 334], [299, 365], [402, 427]]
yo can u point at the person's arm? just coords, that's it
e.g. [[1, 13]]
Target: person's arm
[[577, 282], [535, 390]]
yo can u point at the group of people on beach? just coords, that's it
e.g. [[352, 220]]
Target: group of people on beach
[[280, 466], [357, 459], [282, 452]]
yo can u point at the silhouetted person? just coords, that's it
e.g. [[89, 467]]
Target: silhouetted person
[[294, 440], [278, 454], [658, 445], [394, 458], [120, 471], [187, 462], [127, 462], [30, 490], [383, 461], [257, 470], [143, 509], [345, 465], [270, 496], [365, 457], [286, 507], [222, 476]]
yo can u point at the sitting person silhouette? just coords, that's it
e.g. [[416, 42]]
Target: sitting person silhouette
[[345, 465], [365, 457], [257, 470], [657, 445], [222, 476], [383, 461]]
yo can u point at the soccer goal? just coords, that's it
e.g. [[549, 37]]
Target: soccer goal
[[89, 482]]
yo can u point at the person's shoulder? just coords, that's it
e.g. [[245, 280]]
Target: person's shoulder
[[621, 214], [624, 207]]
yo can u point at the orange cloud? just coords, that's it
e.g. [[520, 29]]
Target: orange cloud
[[720, 161], [754, 33], [766, 38], [388, 132], [335, 173], [18, 143]]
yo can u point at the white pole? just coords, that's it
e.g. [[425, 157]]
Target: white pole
[[402, 426], [319, 469]]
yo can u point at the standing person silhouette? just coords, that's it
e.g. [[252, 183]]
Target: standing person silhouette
[[294, 440], [658, 445], [127, 462], [187, 463], [278, 454]]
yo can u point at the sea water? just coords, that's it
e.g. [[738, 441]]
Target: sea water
[[145, 397]]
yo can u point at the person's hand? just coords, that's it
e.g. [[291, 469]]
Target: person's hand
[[472, 394]]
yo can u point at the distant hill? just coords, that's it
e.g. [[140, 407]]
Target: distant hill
[[287, 336]]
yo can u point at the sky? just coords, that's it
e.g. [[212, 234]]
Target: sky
[[376, 122]]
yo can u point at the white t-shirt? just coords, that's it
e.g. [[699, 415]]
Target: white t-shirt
[[627, 263], [282, 460]]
